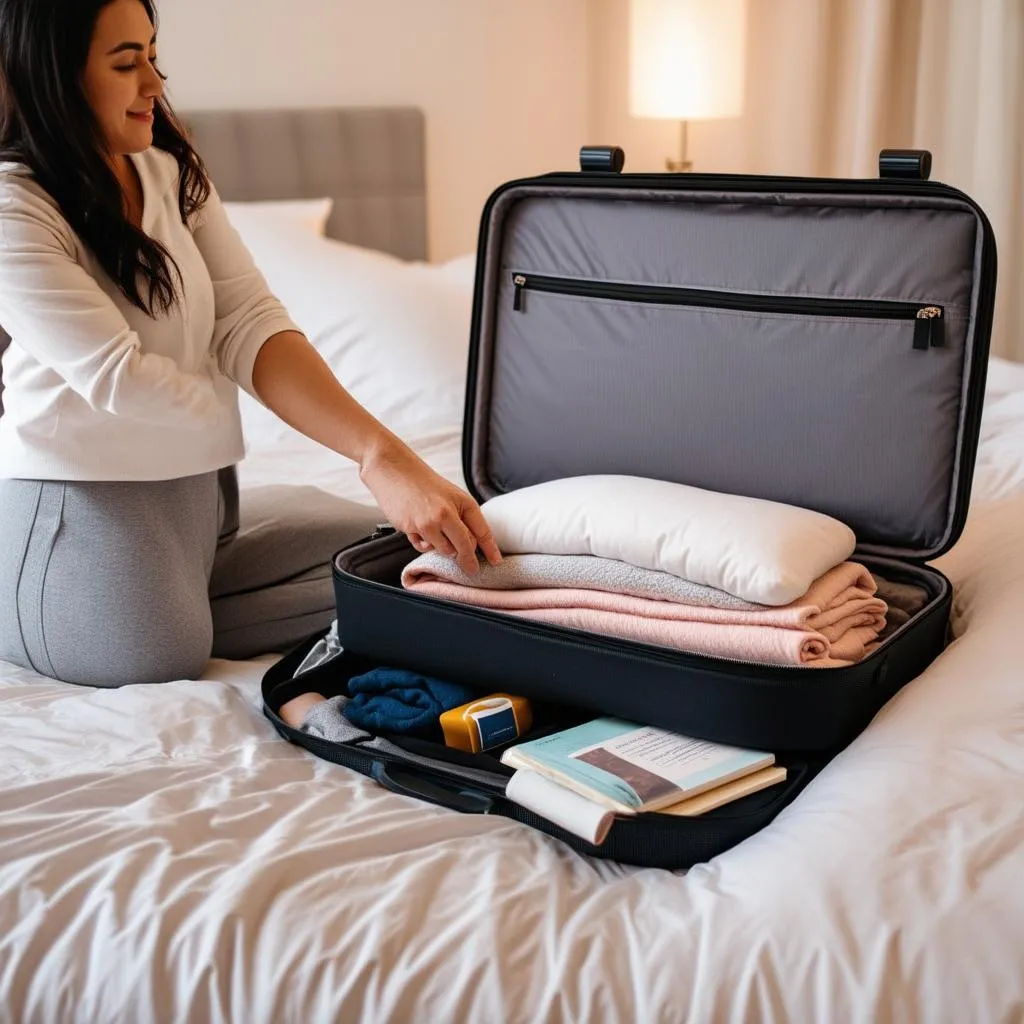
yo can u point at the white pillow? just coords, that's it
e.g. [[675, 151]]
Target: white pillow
[[309, 215], [758, 550], [395, 333]]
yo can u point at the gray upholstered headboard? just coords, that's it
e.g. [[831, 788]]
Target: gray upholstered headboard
[[370, 160]]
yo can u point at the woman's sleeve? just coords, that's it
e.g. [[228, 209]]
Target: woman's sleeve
[[54, 310], [247, 314]]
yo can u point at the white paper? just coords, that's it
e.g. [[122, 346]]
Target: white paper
[[563, 807]]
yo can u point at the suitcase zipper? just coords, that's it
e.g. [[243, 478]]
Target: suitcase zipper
[[928, 319]]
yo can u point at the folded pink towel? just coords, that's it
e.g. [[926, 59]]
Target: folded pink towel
[[832, 625]]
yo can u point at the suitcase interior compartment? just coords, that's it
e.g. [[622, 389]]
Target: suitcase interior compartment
[[820, 350], [764, 707], [333, 681], [429, 770]]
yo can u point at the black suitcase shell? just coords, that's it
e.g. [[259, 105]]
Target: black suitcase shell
[[431, 772], [575, 370], [573, 392]]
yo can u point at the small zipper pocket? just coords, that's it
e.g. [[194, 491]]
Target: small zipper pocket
[[928, 319]]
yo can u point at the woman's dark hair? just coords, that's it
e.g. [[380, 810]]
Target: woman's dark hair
[[47, 124]]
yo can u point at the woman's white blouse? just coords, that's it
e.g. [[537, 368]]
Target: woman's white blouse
[[94, 388]]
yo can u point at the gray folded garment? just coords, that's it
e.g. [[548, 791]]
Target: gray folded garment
[[904, 601], [327, 721], [578, 572]]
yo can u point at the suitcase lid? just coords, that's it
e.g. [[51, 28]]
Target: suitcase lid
[[818, 342]]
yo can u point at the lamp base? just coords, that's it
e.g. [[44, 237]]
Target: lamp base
[[682, 165]]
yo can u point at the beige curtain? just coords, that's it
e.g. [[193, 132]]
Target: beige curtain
[[831, 82]]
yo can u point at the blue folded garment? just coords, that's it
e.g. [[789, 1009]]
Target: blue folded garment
[[394, 700]]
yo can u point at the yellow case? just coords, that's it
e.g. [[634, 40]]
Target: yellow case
[[462, 732]]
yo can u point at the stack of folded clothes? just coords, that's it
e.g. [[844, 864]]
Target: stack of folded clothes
[[672, 565]]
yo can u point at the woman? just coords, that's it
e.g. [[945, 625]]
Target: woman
[[135, 312]]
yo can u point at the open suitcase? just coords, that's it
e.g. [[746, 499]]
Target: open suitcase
[[817, 342]]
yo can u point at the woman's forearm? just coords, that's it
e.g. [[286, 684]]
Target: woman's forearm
[[293, 381]]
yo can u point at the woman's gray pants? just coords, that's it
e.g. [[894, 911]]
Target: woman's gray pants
[[140, 582]]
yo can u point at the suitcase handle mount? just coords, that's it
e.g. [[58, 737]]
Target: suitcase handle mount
[[609, 159], [910, 164]]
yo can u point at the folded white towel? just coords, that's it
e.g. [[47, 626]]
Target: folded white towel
[[760, 551]]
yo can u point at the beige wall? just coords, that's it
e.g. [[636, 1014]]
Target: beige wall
[[786, 119], [647, 142], [514, 88], [503, 85]]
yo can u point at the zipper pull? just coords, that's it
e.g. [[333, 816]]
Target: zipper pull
[[381, 530], [519, 280], [928, 328]]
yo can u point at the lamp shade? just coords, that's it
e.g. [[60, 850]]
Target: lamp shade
[[686, 58]]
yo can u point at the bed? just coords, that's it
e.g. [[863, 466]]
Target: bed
[[165, 856]]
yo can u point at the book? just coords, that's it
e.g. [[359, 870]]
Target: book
[[592, 821], [629, 768], [693, 806]]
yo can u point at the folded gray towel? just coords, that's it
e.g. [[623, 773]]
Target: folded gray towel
[[583, 572], [327, 721]]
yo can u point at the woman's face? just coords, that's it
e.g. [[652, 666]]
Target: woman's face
[[121, 81]]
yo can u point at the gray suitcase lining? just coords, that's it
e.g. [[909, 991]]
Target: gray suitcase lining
[[836, 413]]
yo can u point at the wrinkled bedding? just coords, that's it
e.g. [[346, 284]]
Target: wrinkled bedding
[[165, 856]]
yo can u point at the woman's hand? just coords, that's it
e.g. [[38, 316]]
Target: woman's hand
[[432, 512]]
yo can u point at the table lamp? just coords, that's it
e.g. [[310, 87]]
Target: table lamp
[[686, 60]]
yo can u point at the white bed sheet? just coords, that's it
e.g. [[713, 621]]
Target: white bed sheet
[[165, 856], [298, 458]]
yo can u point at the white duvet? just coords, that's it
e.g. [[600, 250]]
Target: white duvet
[[164, 856]]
